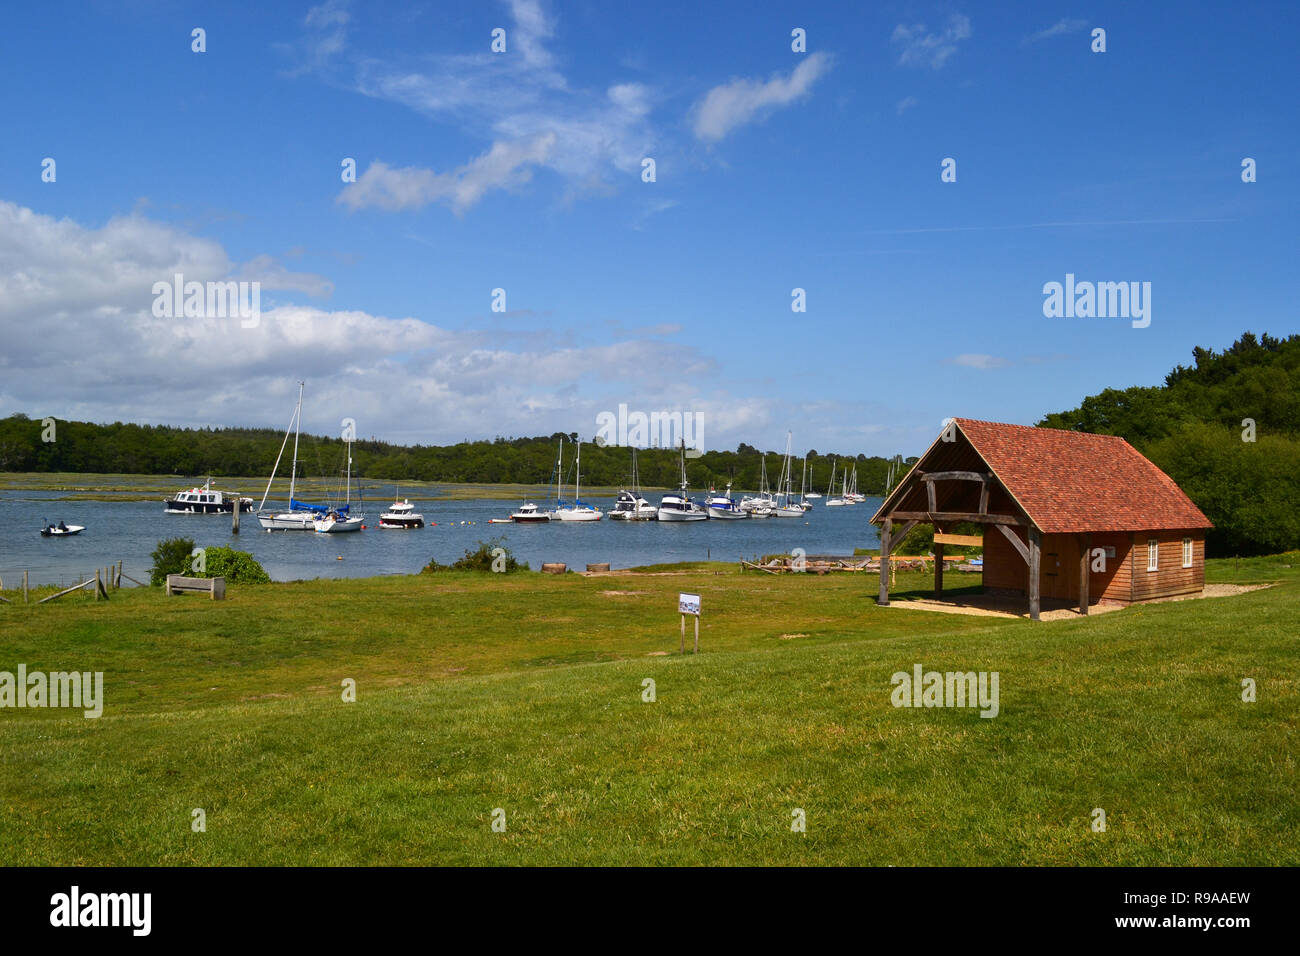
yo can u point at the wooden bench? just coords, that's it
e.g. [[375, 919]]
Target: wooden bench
[[179, 584]]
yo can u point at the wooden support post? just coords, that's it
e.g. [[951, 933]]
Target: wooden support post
[[885, 530], [938, 571], [697, 632], [24, 587], [684, 629], [1083, 574], [99, 585], [1035, 564], [234, 517]]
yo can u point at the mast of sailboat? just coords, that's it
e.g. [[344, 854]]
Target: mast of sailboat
[[293, 473], [276, 467], [577, 475], [830, 488]]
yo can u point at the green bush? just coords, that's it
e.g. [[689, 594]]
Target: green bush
[[172, 556], [237, 567], [480, 559], [920, 540]]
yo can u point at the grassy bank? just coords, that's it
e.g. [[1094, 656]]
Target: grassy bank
[[524, 692]]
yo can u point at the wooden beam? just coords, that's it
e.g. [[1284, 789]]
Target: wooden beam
[[885, 531], [929, 495], [932, 516], [1035, 564], [938, 571], [1015, 541], [969, 540], [1083, 573], [952, 476], [984, 499], [901, 533]]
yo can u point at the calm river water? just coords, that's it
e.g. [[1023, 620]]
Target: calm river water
[[129, 530]]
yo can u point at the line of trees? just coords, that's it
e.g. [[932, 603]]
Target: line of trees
[[85, 447], [1227, 429]]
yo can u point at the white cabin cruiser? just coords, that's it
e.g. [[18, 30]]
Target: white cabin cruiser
[[205, 501], [724, 506], [632, 507], [401, 514], [679, 507], [529, 513]]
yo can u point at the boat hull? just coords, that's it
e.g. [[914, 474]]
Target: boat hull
[[578, 514], [288, 521], [338, 525], [174, 507], [401, 523]]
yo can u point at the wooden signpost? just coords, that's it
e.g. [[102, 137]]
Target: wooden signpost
[[689, 604]]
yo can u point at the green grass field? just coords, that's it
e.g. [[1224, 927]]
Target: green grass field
[[524, 693]]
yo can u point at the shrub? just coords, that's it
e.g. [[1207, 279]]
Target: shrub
[[237, 567], [172, 556], [480, 559]]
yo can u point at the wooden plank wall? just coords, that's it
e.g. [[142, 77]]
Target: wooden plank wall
[[1125, 579]]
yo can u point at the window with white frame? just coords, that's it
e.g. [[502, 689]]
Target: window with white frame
[[1187, 552], [1153, 554]]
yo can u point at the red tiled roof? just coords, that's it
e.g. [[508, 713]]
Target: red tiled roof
[[1074, 481]]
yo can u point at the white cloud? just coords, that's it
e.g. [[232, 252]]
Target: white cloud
[[81, 341], [979, 360], [906, 103], [922, 46], [517, 101], [504, 166], [731, 105], [1059, 28]]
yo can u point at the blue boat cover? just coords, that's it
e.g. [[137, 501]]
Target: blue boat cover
[[296, 505]]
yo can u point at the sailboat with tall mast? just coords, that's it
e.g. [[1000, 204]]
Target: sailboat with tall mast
[[786, 506], [300, 516], [762, 506], [338, 520], [579, 510], [831, 500]]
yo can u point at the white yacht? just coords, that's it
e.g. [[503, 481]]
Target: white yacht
[[300, 516], [337, 520], [724, 506], [579, 510], [401, 514], [786, 505], [679, 507], [529, 513], [205, 501], [631, 505]]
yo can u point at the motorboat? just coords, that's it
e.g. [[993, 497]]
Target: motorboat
[[679, 506], [205, 501], [724, 506], [632, 507], [529, 513], [61, 530], [401, 514]]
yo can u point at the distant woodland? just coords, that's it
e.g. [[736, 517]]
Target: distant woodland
[[1226, 428]]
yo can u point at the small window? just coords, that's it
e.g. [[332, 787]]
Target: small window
[[1187, 552], [1153, 554]]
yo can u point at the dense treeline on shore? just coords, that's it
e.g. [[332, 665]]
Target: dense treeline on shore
[[1227, 429], [83, 447]]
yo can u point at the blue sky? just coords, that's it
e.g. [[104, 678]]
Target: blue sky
[[522, 171]]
